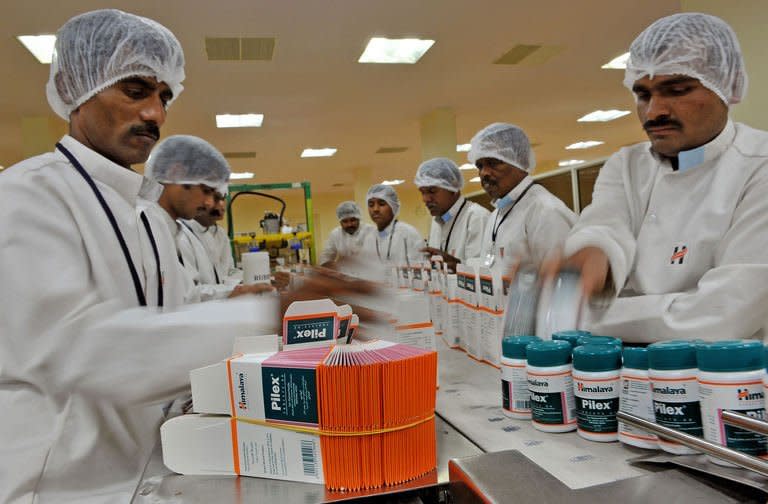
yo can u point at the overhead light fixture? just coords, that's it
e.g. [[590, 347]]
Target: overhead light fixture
[[392, 182], [467, 166], [384, 50], [463, 147], [617, 63], [41, 46], [570, 162], [475, 179], [240, 175], [239, 120], [325, 152], [584, 145], [603, 115]]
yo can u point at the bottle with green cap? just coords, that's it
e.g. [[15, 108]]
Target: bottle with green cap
[[596, 375], [550, 383], [730, 378], [515, 397], [635, 397], [675, 390], [571, 336], [593, 339]]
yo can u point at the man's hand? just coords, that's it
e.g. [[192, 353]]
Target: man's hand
[[241, 290], [448, 259], [591, 262]]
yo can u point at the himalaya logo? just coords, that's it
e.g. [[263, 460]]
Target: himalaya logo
[[667, 390], [537, 383], [746, 395], [243, 404], [595, 389]]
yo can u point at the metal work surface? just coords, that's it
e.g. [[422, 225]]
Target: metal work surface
[[509, 476], [159, 485]]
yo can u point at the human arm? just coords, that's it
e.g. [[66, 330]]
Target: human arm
[[331, 248]]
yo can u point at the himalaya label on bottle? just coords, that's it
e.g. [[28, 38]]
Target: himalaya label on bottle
[[676, 405], [745, 395], [597, 401], [515, 396], [290, 394], [552, 403], [635, 397]]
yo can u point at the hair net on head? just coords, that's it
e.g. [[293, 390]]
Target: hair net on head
[[386, 193], [439, 172], [348, 210], [97, 49], [184, 159], [505, 142], [692, 44]]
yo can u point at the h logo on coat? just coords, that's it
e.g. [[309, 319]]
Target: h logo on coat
[[679, 254]]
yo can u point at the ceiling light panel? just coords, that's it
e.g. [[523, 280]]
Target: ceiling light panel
[[603, 115], [393, 182], [617, 63], [240, 175], [463, 147], [475, 179], [239, 120], [585, 144], [41, 46], [569, 162], [467, 166], [324, 152], [384, 50]]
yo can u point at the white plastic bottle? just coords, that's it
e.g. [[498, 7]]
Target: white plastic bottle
[[550, 383], [731, 378], [515, 397], [675, 389], [596, 376], [635, 397]]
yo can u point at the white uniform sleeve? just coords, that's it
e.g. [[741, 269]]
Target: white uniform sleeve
[[729, 300], [414, 243], [194, 257], [224, 252], [331, 248], [547, 226], [474, 235], [606, 223]]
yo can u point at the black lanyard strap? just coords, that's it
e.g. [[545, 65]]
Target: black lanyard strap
[[450, 231], [111, 217], [495, 229], [152, 242], [215, 273], [389, 247]]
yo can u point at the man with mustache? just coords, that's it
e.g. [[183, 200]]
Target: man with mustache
[[528, 222], [215, 238], [394, 243], [346, 240], [676, 236], [457, 228]]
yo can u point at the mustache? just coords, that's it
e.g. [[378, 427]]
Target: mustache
[[150, 129], [487, 180], [661, 122], [214, 213]]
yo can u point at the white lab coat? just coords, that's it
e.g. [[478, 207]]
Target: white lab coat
[[216, 243], [537, 225], [83, 369], [406, 245], [341, 244], [466, 240], [198, 265], [717, 209]]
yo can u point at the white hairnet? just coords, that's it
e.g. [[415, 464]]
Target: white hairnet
[[99, 48], [348, 210], [439, 172], [692, 44], [505, 142], [185, 159], [386, 193]]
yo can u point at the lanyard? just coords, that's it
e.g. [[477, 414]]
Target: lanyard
[[111, 217], [497, 225], [389, 247], [215, 273], [450, 231]]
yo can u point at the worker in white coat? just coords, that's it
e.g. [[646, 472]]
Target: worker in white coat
[[346, 240], [394, 243], [678, 226], [89, 349], [528, 222], [457, 227], [215, 239]]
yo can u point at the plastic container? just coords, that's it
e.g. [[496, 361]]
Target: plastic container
[[255, 268], [571, 336], [675, 389], [596, 376], [515, 397], [599, 340], [520, 314], [561, 304], [731, 378], [550, 383], [635, 397]]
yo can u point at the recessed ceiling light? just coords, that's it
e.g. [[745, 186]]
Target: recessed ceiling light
[[475, 179], [384, 50], [41, 46], [603, 115], [240, 175], [585, 144], [467, 166], [617, 63], [325, 152], [239, 120], [393, 182], [463, 147], [570, 162]]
